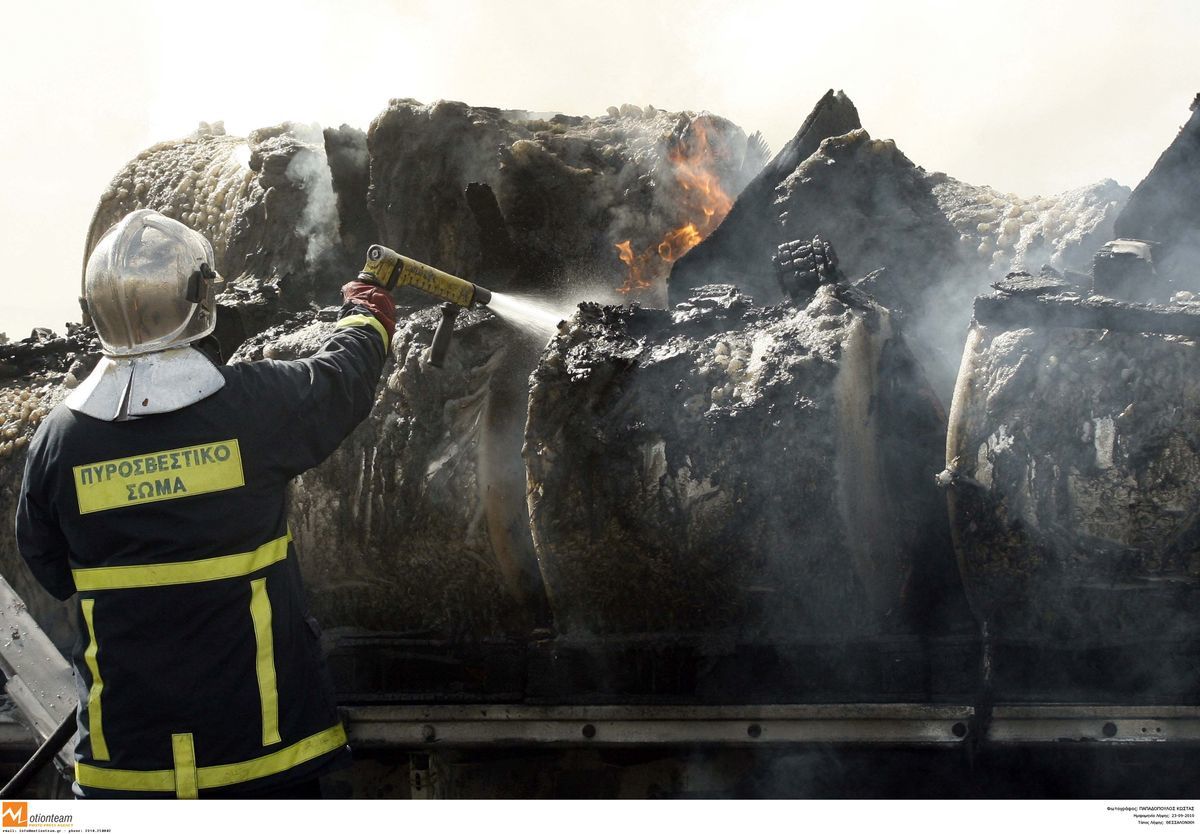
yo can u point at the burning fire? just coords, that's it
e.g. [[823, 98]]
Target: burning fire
[[705, 204]]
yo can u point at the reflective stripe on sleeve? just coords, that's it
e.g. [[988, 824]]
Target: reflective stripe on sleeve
[[264, 640], [215, 776], [95, 716], [359, 320], [182, 573]]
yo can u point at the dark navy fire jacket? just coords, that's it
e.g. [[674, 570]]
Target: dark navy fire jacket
[[198, 666]]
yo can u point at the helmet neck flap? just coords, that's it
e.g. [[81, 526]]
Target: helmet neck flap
[[152, 383]]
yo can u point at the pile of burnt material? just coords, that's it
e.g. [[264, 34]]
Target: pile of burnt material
[[1072, 452], [1073, 464], [926, 243], [737, 470], [416, 524], [553, 197], [721, 473], [508, 198]]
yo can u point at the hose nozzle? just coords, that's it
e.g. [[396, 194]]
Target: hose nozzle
[[390, 269]]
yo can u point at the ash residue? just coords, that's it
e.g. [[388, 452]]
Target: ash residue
[[1008, 232]]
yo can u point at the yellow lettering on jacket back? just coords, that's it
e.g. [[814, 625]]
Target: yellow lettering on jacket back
[[159, 476]]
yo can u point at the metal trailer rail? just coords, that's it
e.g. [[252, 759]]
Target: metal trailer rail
[[428, 727], [40, 685], [422, 727]]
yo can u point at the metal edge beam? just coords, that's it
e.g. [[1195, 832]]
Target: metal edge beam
[[1066, 723], [466, 726]]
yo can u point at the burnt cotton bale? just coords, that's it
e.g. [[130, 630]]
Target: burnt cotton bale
[[561, 191], [416, 524], [760, 472], [270, 204], [1073, 462]]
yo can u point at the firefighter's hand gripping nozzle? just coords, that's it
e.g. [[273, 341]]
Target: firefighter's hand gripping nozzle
[[390, 269]]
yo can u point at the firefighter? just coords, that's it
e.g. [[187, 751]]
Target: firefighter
[[155, 494]]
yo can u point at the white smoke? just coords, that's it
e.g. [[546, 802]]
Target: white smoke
[[241, 155], [309, 169]]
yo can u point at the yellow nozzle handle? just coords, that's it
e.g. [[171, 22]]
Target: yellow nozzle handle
[[390, 270]]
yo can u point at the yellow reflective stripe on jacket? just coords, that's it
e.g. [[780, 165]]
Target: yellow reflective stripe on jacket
[[264, 660], [95, 716], [358, 320], [214, 776], [181, 573], [302, 751], [111, 779], [184, 754]]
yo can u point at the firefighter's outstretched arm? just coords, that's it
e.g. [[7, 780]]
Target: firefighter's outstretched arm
[[319, 400]]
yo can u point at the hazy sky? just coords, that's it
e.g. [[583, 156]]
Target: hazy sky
[[1030, 97]]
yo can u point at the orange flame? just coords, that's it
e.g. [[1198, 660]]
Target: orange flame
[[638, 265], [705, 204]]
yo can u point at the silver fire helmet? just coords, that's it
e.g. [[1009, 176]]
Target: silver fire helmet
[[150, 289], [150, 285]]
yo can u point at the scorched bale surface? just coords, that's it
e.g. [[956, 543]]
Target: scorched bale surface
[[1075, 503], [269, 203], [416, 524], [1165, 207], [740, 248], [733, 469], [566, 188]]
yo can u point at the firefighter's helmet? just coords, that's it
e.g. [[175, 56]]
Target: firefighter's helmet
[[150, 285]]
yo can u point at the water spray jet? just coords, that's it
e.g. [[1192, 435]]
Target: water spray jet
[[389, 269]]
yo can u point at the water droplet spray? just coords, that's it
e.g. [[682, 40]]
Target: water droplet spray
[[531, 315]]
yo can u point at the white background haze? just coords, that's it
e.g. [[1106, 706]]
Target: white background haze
[[1029, 97]]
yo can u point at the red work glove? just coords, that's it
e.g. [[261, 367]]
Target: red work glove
[[374, 298]]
